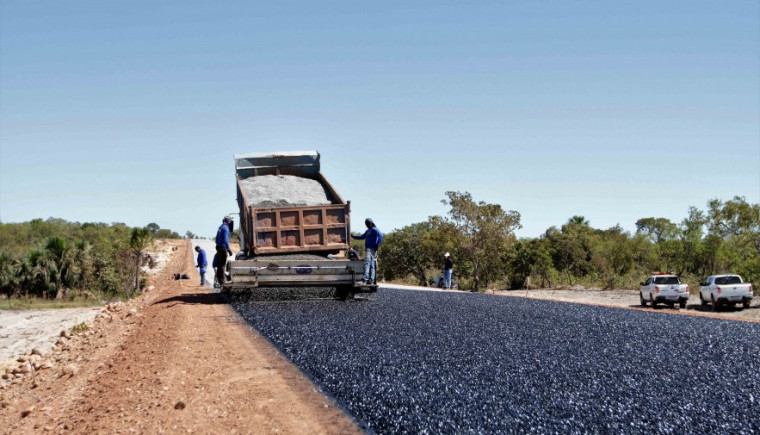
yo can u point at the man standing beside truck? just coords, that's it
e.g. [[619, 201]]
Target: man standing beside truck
[[223, 247], [373, 238], [202, 263]]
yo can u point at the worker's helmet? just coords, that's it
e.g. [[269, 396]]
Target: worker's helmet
[[227, 219]]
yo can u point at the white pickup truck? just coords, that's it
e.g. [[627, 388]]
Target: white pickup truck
[[665, 288], [725, 290]]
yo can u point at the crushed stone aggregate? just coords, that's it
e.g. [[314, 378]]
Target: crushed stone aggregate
[[433, 362], [272, 191]]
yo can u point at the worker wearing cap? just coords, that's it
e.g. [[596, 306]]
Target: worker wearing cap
[[448, 269], [201, 264], [373, 238], [223, 247]]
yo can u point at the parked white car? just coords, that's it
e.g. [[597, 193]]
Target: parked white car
[[664, 288], [721, 290]]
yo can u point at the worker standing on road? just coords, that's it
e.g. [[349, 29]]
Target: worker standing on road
[[448, 269], [202, 263], [373, 238], [223, 247]]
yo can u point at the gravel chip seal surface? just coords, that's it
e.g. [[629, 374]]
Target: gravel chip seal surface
[[271, 191], [422, 362]]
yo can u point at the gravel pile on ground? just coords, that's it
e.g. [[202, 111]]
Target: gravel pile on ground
[[271, 191], [422, 362]]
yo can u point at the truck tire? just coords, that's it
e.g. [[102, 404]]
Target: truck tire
[[343, 292], [745, 303], [653, 301], [715, 304], [682, 303], [642, 300], [702, 300]]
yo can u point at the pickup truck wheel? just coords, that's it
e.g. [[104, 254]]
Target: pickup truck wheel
[[702, 300], [715, 305], [641, 299], [745, 304], [682, 303], [652, 300]]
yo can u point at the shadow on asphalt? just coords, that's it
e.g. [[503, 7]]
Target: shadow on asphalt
[[724, 309], [194, 298], [660, 306], [698, 308]]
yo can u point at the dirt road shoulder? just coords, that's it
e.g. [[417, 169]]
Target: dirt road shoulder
[[176, 359]]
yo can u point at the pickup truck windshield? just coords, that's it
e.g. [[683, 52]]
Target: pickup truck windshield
[[725, 280], [667, 280]]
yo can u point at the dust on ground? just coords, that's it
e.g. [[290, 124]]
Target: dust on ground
[[630, 299], [175, 359]]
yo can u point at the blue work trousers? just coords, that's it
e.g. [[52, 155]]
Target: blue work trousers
[[447, 278], [370, 264]]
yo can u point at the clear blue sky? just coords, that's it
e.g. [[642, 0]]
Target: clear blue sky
[[131, 111]]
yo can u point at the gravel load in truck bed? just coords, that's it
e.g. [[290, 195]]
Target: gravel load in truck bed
[[446, 362], [271, 191]]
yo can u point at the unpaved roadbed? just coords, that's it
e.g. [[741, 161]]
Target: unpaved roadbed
[[174, 360]]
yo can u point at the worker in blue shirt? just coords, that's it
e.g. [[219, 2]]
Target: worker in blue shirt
[[201, 264], [223, 247], [373, 238]]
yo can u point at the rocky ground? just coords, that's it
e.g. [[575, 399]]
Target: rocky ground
[[24, 330], [175, 359]]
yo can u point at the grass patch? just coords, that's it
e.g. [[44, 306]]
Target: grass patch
[[79, 328], [44, 304]]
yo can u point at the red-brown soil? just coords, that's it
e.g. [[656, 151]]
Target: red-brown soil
[[176, 359]]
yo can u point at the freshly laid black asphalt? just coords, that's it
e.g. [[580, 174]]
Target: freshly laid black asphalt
[[451, 362]]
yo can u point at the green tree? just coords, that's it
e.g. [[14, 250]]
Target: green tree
[[530, 258], [140, 239], [484, 232], [153, 228], [657, 229], [406, 252]]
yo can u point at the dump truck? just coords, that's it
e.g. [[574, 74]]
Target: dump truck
[[295, 228]]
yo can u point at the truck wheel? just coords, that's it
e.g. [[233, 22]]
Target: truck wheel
[[702, 300], [343, 292], [641, 299], [682, 303], [745, 304], [652, 300], [715, 304]]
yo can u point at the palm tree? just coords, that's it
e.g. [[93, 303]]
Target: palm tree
[[579, 220], [58, 260], [140, 239], [7, 274], [81, 264]]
